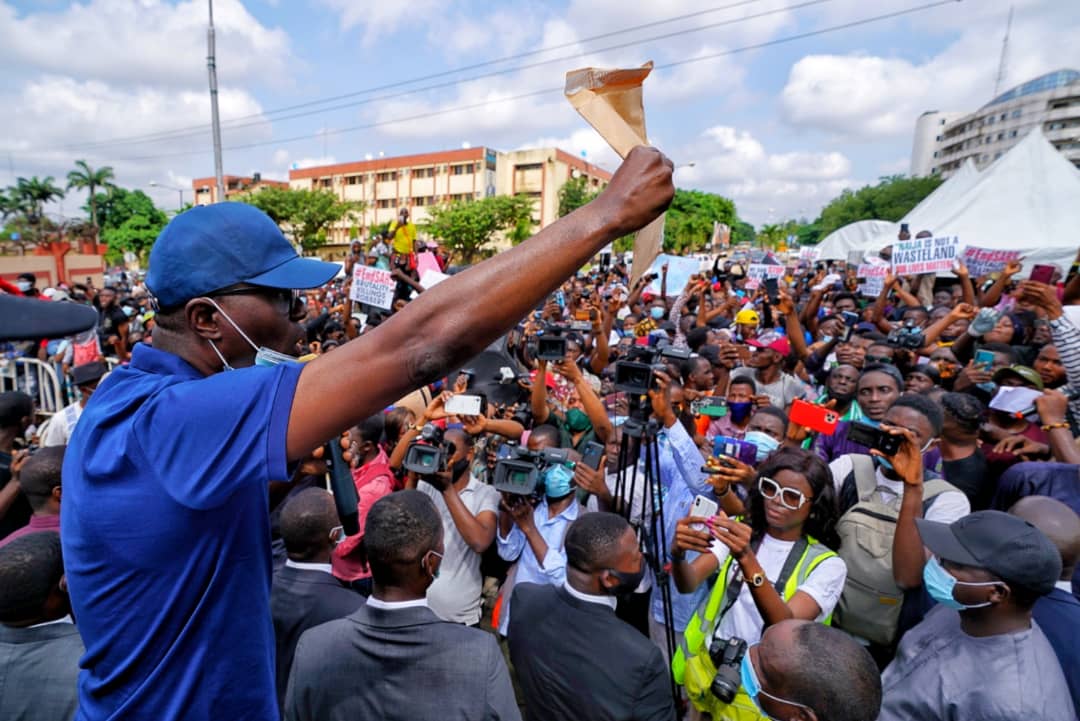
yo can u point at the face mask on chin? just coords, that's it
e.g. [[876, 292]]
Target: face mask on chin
[[264, 356]]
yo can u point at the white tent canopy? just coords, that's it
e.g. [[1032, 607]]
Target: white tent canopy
[[856, 236], [1029, 199]]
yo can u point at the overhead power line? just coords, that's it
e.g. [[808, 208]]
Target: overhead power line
[[547, 91], [268, 114]]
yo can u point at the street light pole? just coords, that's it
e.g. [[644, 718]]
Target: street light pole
[[215, 120], [155, 184]]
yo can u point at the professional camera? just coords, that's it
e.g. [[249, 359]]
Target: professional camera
[[636, 374], [428, 453], [551, 343], [519, 471], [727, 655], [908, 336]]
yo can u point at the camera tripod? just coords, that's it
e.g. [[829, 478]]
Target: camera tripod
[[639, 444]]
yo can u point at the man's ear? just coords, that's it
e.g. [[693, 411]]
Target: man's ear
[[202, 318]]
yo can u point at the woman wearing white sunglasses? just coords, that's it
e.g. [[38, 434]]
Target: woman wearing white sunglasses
[[776, 564]]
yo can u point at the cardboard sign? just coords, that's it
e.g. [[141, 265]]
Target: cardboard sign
[[925, 255], [373, 286], [760, 271], [611, 102], [808, 254], [984, 261], [875, 279]]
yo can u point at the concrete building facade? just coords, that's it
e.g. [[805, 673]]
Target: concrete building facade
[[420, 181], [206, 188], [1051, 101]]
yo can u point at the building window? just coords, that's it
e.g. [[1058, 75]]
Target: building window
[[384, 203], [324, 182], [990, 120], [354, 179], [1012, 133], [421, 200], [428, 172], [463, 169], [997, 155], [387, 176], [1001, 136], [935, 154], [1003, 116], [528, 166], [1016, 114]]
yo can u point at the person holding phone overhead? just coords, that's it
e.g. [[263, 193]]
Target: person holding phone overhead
[[776, 564]]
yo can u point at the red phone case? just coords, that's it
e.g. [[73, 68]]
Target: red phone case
[[815, 417]]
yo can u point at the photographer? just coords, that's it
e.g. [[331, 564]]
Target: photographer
[[469, 511], [785, 546], [578, 426], [533, 536]]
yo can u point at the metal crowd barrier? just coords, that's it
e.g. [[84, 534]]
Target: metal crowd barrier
[[37, 379]]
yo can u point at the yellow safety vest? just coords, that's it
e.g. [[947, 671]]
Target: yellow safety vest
[[693, 668]]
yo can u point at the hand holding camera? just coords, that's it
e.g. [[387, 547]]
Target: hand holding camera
[[907, 459]]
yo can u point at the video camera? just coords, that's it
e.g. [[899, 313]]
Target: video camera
[[428, 453], [636, 374], [908, 336], [519, 472]]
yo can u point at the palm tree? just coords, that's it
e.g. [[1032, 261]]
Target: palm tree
[[36, 192], [86, 177]]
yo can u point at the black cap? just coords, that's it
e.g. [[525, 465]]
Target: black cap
[[88, 372], [1007, 546]]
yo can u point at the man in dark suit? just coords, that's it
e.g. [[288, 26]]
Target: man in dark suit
[[1058, 613], [39, 645], [574, 658], [394, 658], [304, 593]]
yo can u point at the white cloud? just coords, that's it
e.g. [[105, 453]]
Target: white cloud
[[766, 187], [380, 18], [862, 95], [314, 162], [150, 41]]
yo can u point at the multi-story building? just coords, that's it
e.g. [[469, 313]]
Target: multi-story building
[[206, 188], [1050, 101], [417, 182]]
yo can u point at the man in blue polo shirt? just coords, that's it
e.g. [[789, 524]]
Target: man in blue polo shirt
[[165, 525]]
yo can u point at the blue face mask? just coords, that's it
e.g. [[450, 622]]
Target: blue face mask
[[752, 687], [263, 356], [940, 584], [766, 444], [558, 481], [656, 312], [740, 411]]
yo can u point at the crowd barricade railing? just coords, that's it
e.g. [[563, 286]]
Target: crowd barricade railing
[[35, 378]]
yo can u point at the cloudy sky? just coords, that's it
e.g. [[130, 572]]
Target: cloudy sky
[[779, 104]]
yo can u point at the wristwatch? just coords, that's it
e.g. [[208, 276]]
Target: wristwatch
[[757, 580]]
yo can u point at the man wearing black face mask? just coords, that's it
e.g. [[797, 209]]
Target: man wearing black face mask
[[564, 639], [469, 511]]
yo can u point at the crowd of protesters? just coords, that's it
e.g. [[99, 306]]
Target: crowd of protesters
[[883, 536]]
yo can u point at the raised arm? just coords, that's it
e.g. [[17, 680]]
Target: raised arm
[[427, 338]]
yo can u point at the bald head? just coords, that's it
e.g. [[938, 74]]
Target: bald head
[[1058, 522]]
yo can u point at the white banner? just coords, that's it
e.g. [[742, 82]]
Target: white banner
[[373, 286], [925, 255]]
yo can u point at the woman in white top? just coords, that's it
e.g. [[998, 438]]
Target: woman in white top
[[790, 531]]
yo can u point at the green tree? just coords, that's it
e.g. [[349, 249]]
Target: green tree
[[575, 193], [35, 192], [306, 214], [129, 222], [468, 227], [689, 224], [86, 177], [891, 199], [742, 232]]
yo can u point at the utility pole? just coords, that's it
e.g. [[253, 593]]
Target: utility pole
[[215, 119], [1004, 63]]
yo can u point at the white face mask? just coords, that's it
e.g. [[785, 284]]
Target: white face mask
[[23, 285], [263, 356]]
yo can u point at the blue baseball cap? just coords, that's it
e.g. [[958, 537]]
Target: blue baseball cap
[[211, 247]]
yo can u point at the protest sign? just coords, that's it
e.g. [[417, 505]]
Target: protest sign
[[875, 279], [431, 278], [808, 254], [760, 271], [679, 271], [925, 255], [427, 261], [984, 261], [373, 286]]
